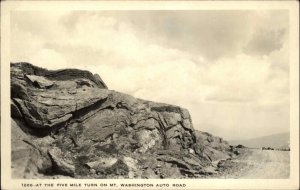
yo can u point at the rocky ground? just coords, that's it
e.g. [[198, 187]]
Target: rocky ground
[[67, 124], [255, 164]]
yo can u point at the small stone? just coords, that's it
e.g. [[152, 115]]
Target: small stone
[[92, 171], [191, 151], [102, 163]]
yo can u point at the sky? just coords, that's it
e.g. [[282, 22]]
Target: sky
[[229, 68]]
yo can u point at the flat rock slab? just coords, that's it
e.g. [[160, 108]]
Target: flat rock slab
[[40, 81]]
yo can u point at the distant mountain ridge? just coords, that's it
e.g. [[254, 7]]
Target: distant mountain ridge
[[275, 141]]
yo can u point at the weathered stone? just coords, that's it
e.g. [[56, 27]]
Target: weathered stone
[[213, 147], [191, 161], [39, 81], [185, 114], [24, 156], [149, 124], [132, 166], [178, 162], [175, 132], [61, 165], [18, 90], [62, 75], [15, 112], [172, 118], [55, 107], [102, 163], [150, 174], [186, 123], [207, 139], [147, 139], [93, 171]]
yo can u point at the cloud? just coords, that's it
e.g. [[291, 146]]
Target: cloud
[[212, 34], [280, 57], [264, 42], [194, 59], [49, 57], [247, 78]]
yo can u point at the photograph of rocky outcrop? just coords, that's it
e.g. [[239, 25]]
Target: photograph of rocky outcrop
[[150, 94], [67, 122]]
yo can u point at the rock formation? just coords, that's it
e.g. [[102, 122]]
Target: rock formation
[[215, 148], [66, 123]]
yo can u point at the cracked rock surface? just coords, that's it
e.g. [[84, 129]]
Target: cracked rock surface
[[66, 123]]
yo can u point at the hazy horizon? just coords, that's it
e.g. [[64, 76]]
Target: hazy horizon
[[230, 69], [245, 139]]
